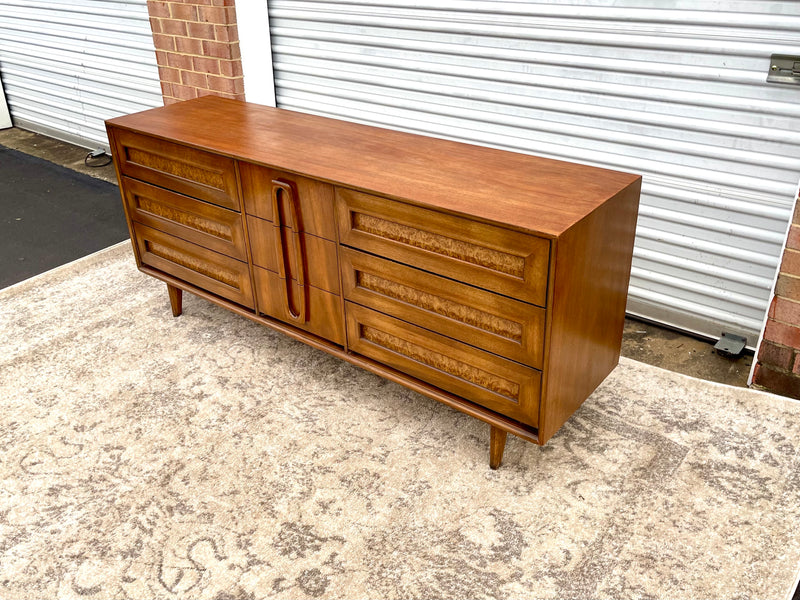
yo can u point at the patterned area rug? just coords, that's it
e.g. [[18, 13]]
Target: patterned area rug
[[143, 456]]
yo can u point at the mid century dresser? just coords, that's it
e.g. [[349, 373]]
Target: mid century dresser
[[492, 281]]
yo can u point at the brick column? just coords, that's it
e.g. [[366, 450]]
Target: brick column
[[778, 366], [197, 48]]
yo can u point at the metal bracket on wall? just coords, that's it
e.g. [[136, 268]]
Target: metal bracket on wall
[[784, 68]]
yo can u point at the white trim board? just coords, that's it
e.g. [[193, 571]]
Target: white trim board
[[5, 116], [254, 43]]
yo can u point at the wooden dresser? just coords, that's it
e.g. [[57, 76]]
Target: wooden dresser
[[492, 281]]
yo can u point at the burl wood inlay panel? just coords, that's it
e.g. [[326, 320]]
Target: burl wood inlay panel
[[448, 308], [217, 273], [501, 260], [190, 262], [215, 228], [444, 363], [440, 244], [189, 171], [483, 319], [205, 224], [484, 378], [174, 167]]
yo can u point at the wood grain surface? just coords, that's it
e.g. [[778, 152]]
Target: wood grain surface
[[220, 274], [314, 199], [486, 379], [206, 176], [492, 281], [527, 192], [592, 266], [322, 267], [497, 444], [205, 224], [486, 256], [492, 322], [324, 313]]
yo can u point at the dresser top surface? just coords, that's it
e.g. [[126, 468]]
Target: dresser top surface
[[522, 191]]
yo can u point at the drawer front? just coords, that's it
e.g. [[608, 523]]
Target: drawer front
[[320, 254], [323, 309], [211, 271], [313, 200], [192, 172], [503, 261], [205, 224], [498, 384], [489, 321]]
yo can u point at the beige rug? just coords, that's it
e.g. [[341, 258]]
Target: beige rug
[[143, 456]]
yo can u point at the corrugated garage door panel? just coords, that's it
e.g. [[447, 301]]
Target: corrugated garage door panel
[[69, 65], [675, 91]]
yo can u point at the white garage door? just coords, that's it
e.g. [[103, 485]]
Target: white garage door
[[674, 90], [67, 65]]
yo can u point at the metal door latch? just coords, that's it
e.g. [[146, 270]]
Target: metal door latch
[[784, 69]]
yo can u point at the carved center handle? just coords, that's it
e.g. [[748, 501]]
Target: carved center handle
[[283, 190]]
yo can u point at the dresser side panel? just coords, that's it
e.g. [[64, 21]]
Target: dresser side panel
[[592, 263]]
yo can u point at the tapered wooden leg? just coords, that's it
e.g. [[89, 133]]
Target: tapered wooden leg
[[497, 443], [175, 299]]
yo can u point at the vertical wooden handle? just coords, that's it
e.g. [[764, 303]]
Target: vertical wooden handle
[[283, 189]]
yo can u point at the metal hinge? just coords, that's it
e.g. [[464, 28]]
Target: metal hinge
[[784, 68]]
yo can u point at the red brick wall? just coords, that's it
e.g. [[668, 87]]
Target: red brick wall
[[778, 366], [197, 48]]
